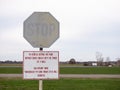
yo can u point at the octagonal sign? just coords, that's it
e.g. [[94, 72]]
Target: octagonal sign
[[41, 29]]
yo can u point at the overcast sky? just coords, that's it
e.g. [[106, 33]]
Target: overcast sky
[[86, 27]]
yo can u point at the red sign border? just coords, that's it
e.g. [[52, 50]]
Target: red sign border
[[42, 78]]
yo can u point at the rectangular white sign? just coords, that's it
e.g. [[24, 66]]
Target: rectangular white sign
[[40, 65]]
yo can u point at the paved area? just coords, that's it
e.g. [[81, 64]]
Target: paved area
[[70, 75], [88, 76]]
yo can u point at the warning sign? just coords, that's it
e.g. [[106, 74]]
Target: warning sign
[[41, 65]]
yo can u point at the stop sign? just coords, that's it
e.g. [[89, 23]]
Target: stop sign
[[41, 29]]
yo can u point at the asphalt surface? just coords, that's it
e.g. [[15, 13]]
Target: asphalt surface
[[68, 76]]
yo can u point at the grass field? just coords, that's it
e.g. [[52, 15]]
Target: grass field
[[62, 84], [90, 70], [8, 70], [1, 64], [70, 70]]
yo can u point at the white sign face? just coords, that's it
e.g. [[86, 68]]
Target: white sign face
[[41, 65], [41, 29]]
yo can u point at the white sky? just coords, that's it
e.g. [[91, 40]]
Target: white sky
[[86, 27]]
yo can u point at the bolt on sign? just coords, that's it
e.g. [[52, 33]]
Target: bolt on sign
[[40, 65]]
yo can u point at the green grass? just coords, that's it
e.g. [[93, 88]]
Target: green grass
[[62, 84], [18, 84], [8, 70], [83, 84], [90, 70], [4, 64], [70, 70]]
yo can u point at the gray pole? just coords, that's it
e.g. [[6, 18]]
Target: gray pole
[[40, 81]]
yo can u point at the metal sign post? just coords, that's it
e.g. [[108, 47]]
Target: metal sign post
[[40, 81], [41, 30], [40, 85]]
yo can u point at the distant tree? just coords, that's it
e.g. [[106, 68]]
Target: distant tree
[[107, 61], [72, 61], [118, 61], [99, 58]]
